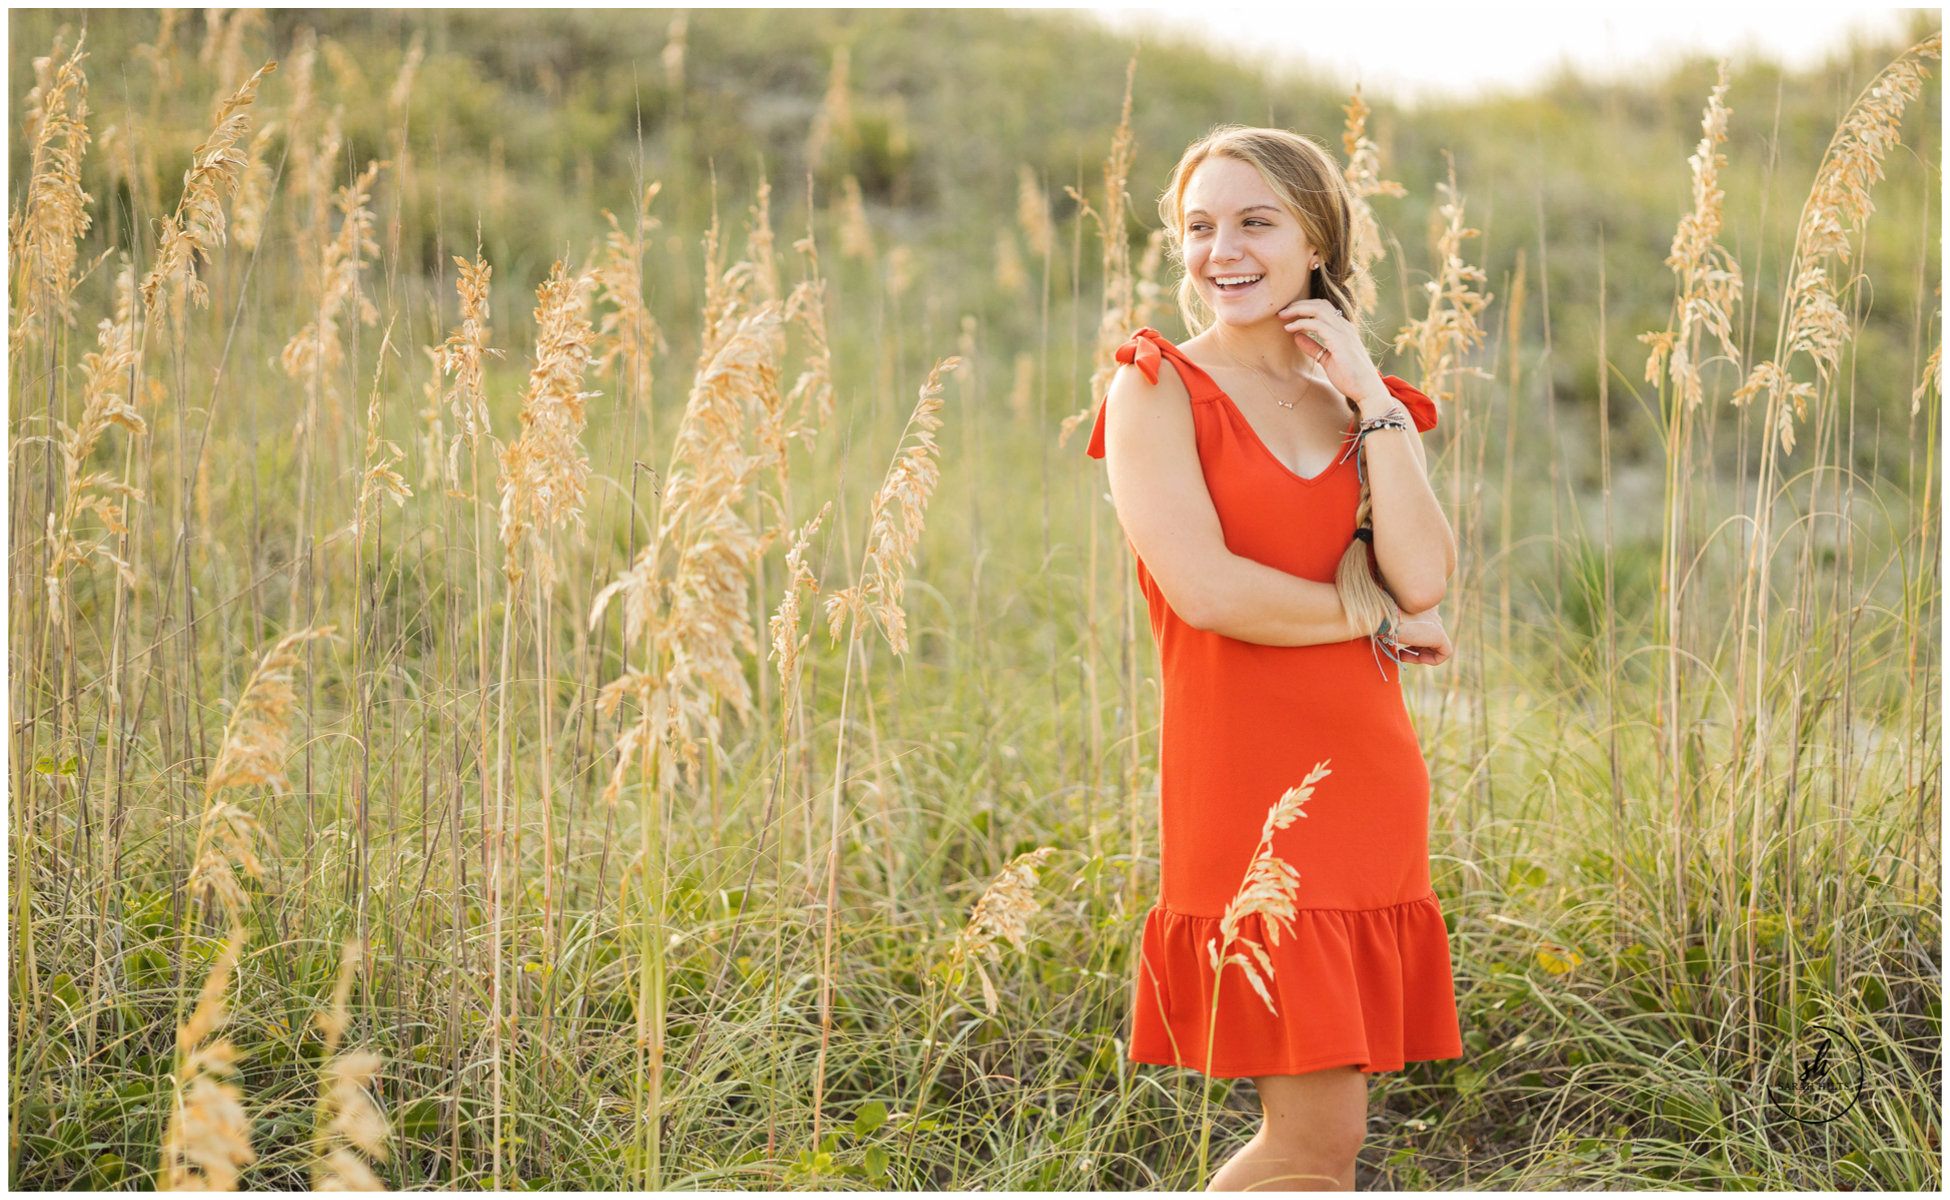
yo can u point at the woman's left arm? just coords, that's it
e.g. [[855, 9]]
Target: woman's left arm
[[1413, 544]]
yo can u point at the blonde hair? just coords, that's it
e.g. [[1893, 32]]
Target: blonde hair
[[1311, 185], [1305, 178]]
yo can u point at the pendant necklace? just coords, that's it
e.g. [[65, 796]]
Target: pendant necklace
[[1286, 404]]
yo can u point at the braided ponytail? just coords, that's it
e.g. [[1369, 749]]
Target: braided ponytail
[[1366, 603]]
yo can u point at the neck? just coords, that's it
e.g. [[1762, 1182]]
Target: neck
[[1264, 346]]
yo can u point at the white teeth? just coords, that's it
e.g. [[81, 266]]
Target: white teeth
[[1229, 280]]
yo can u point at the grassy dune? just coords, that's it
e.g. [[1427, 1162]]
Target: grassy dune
[[431, 767]]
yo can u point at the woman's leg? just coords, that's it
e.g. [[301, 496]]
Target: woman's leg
[[1313, 1129]]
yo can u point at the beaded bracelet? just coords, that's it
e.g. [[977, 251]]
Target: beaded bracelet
[[1394, 418]]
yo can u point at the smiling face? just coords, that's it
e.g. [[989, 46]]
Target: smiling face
[[1245, 252]]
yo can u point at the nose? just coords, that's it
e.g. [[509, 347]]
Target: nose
[[1225, 244]]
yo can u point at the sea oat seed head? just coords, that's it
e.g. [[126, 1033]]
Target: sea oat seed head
[[1002, 913], [628, 331], [544, 471], [208, 1135], [197, 227], [1448, 331], [898, 513], [786, 642], [55, 214], [1709, 277], [1364, 179], [1837, 206], [1267, 893]]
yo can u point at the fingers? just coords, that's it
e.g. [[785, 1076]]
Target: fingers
[[1426, 656], [1325, 322], [1309, 346], [1317, 308]]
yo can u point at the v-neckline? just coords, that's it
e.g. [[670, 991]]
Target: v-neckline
[[1353, 426]]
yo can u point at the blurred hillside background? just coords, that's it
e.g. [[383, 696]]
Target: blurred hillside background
[[1670, 831]]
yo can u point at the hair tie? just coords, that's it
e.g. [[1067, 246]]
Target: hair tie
[[1365, 534]]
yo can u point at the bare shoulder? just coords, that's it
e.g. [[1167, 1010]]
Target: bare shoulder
[[1131, 392], [1147, 424]]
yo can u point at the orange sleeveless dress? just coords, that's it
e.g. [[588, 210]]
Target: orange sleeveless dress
[[1363, 979]]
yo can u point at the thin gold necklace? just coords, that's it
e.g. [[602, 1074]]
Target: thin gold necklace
[[1262, 384]]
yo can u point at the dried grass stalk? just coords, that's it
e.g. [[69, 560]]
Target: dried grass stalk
[[105, 372], [255, 745], [434, 467], [55, 215], [1267, 892], [160, 51], [1709, 277], [208, 1136], [1009, 273], [131, 161], [347, 75], [768, 404], [899, 511], [726, 297], [695, 618], [383, 456], [685, 598], [349, 1127], [1154, 300], [1022, 390], [628, 331], [715, 547], [692, 625], [254, 741], [1838, 206], [673, 55], [315, 352], [1448, 331], [1002, 914], [696, 621], [856, 232], [1032, 212], [900, 270], [1120, 289], [812, 392], [311, 164], [1932, 381], [787, 643], [396, 100], [253, 190], [197, 226], [759, 244], [1363, 172], [544, 471], [464, 356], [832, 126], [230, 45]]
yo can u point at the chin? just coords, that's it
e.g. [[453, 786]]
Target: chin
[[1242, 316]]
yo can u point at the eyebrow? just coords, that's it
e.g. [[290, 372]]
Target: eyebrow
[[1199, 212]]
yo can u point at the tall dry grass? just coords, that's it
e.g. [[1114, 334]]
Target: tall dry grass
[[634, 906]]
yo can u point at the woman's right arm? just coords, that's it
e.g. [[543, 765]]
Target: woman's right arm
[[1159, 490]]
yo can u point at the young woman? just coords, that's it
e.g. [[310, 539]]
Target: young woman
[[1251, 468]]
